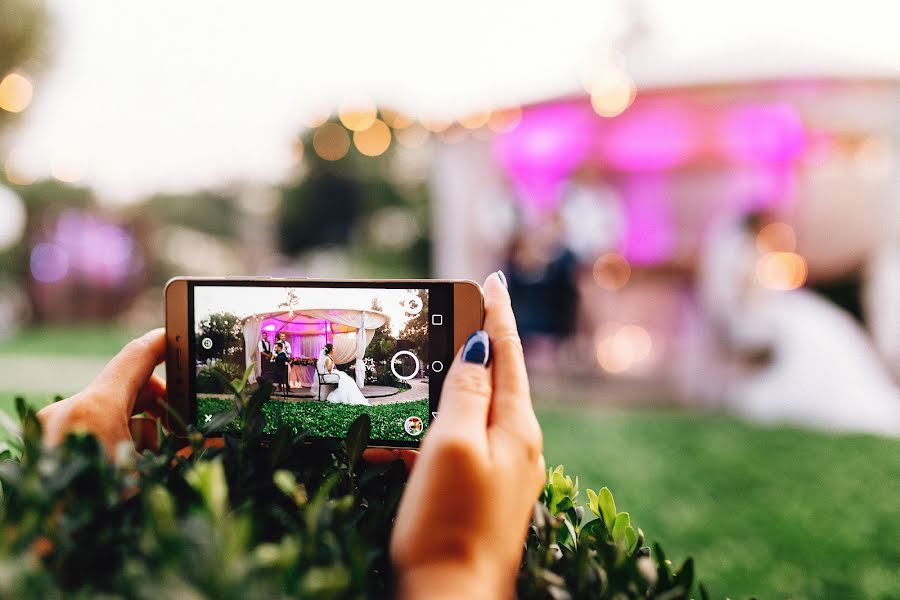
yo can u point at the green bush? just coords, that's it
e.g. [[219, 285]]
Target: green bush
[[213, 378], [270, 519], [324, 419]]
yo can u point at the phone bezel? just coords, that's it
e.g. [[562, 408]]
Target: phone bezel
[[468, 316]]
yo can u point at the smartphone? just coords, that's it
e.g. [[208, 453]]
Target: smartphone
[[332, 350]]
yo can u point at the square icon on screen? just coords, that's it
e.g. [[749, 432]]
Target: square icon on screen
[[437, 319]]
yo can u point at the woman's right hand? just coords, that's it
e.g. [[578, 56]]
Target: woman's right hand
[[461, 524]]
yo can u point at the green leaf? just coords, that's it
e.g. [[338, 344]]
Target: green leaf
[[607, 507], [684, 577], [357, 438], [220, 421], [630, 539], [593, 502], [621, 524]]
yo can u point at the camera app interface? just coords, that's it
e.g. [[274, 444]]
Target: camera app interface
[[330, 354]]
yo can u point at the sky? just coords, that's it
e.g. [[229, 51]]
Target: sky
[[246, 301], [166, 95]]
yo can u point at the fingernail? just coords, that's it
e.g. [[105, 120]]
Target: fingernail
[[477, 348], [502, 278]]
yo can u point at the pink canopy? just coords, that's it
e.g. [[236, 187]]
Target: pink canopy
[[309, 329]]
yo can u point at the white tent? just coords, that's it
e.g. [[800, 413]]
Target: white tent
[[309, 329]]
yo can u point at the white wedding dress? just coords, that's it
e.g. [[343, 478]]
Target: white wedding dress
[[346, 391]]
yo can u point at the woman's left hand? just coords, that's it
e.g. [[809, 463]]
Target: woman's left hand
[[125, 387]]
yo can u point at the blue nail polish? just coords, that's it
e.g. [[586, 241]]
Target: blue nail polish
[[477, 348], [502, 278]]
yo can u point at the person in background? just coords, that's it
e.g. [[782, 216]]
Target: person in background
[[280, 362], [265, 347], [461, 525], [282, 337]]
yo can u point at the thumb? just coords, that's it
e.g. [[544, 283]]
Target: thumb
[[466, 395], [125, 375]]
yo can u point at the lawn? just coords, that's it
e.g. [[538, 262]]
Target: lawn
[[331, 420], [68, 340], [776, 512]]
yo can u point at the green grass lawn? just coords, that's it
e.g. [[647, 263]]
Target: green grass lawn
[[325, 419], [776, 512], [67, 340]]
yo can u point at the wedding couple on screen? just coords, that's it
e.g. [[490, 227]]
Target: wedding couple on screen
[[346, 391]]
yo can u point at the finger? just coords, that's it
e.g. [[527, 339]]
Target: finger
[[152, 396], [512, 398], [378, 456], [125, 375], [466, 394]]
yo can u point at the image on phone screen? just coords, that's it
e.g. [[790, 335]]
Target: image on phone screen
[[330, 353]]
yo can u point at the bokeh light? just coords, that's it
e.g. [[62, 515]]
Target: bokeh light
[[49, 262], [374, 140], [620, 347], [19, 170], [475, 120], [436, 125], [12, 225], [413, 136], [331, 141], [611, 95], [776, 237], [358, 114], [15, 93], [781, 270], [505, 120], [316, 119], [612, 271], [395, 119], [67, 165]]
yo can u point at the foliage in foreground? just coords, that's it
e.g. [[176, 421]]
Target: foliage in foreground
[[269, 520]]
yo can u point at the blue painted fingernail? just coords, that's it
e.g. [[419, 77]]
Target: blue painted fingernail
[[502, 279], [477, 349]]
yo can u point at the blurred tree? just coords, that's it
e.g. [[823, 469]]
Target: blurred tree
[[206, 211], [383, 345], [415, 332], [23, 32], [224, 331], [357, 204], [43, 201]]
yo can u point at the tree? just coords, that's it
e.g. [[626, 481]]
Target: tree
[[383, 345], [415, 332], [224, 331]]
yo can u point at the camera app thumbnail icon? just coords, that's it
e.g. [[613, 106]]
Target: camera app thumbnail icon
[[414, 426]]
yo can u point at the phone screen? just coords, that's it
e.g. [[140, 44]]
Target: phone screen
[[331, 352]]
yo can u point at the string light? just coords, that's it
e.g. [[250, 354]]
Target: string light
[[331, 141], [611, 95], [476, 120], [611, 271], [395, 119], [781, 270], [413, 136], [15, 93], [505, 120], [373, 141], [358, 114], [776, 237]]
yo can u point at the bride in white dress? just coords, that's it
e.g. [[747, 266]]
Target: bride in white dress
[[346, 391]]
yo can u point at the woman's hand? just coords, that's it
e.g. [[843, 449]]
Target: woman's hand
[[126, 386], [461, 525]]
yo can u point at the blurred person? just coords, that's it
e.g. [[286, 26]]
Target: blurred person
[[790, 356], [542, 287], [487, 444]]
